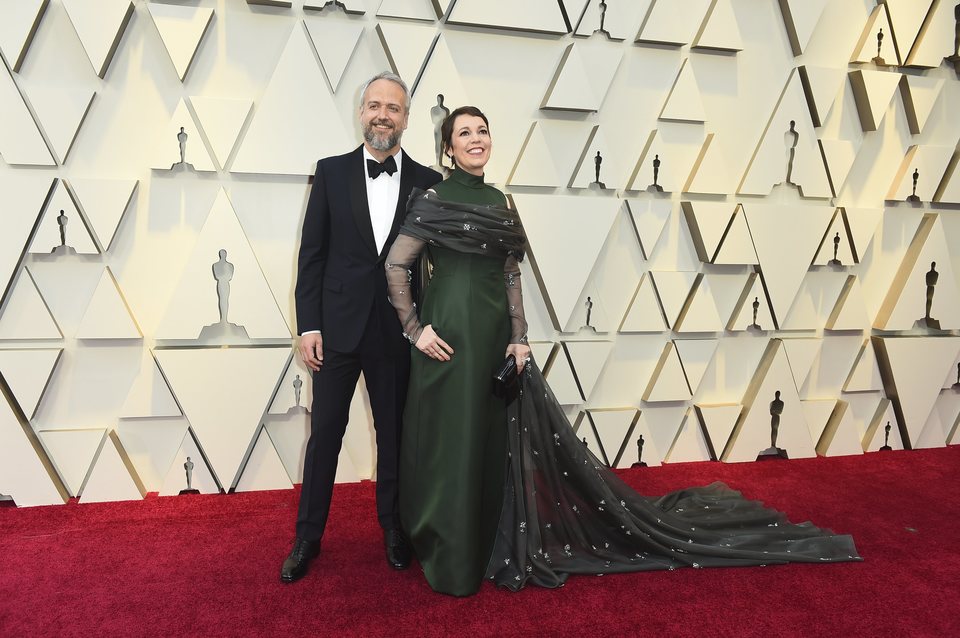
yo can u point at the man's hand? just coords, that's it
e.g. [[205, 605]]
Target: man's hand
[[433, 346], [520, 352], [311, 350]]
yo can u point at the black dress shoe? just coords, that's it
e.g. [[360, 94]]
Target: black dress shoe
[[295, 566], [398, 549]]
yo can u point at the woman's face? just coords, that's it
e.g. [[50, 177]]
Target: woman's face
[[470, 144]]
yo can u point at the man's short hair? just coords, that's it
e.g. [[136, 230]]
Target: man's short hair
[[393, 77]]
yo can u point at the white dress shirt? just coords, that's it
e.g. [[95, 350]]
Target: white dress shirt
[[382, 195]]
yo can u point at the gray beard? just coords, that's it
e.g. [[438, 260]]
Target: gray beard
[[381, 143]]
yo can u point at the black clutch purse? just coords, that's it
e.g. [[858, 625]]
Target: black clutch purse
[[505, 377]]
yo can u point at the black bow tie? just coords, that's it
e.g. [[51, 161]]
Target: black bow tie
[[388, 166]]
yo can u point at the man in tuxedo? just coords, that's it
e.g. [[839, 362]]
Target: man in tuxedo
[[347, 325]]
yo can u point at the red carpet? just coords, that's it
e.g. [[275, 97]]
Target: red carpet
[[208, 565]]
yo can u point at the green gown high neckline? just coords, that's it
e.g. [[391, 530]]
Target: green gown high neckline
[[467, 179]]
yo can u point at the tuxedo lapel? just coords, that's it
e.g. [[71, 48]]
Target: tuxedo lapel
[[407, 180], [359, 206]]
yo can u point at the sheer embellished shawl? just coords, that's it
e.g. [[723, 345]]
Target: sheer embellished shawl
[[468, 228]]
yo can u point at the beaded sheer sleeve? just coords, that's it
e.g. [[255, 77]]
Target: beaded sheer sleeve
[[518, 321], [400, 264]]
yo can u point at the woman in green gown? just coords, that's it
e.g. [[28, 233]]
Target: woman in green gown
[[506, 490]]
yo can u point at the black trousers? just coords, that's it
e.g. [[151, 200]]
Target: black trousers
[[386, 375]]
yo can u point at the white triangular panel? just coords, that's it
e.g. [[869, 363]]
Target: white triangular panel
[[588, 359], [873, 91], [850, 313], [149, 395], [24, 198], [700, 313], [289, 434], [27, 372], [753, 431], [532, 15], [936, 38], [201, 478], [583, 76], [836, 237], [565, 236], [72, 452], [684, 103], [801, 18], [111, 477], [866, 48], [695, 357], [296, 120], [335, 41], [18, 25], [194, 304], [167, 152], [181, 29], [801, 353], [408, 46], [665, 25], [562, 381], [822, 87], [409, 9], [917, 366], [645, 314], [841, 437], [839, 156], [100, 25], [107, 315], [150, 444], [737, 247], [663, 423], [205, 382], [818, 415], [20, 141], [25, 315], [906, 18], [610, 173], [919, 93], [786, 238], [649, 217], [910, 303], [22, 474], [951, 185], [744, 315], [672, 290], [103, 203], [862, 223], [711, 172], [690, 445], [816, 299], [707, 221], [929, 162], [720, 31], [668, 382], [551, 153], [60, 112], [865, 375], [728, 290], [221, 119], [719, 421], [678, 147], [771, 160], [285, 402], [263, 470], [47, 237], [612, 428]]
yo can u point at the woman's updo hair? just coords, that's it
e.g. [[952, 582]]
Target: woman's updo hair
[[446, 129]]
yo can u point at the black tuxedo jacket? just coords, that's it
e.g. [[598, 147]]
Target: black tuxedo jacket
[[341, 287]]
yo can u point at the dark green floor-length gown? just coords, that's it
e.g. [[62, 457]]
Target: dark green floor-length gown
[[454, 443]]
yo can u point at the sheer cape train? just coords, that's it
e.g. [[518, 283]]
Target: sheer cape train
[[565, 512]]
